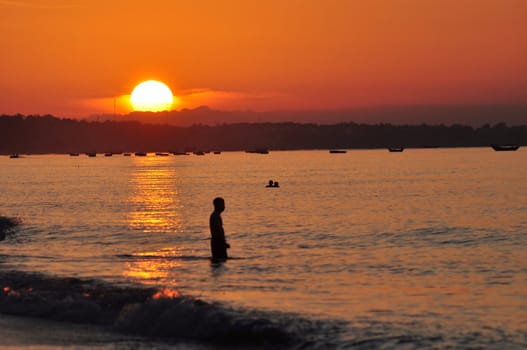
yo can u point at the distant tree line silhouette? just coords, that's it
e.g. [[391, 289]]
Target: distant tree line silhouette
[[48, 134]]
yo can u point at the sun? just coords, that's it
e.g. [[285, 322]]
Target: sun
[[151, 96]]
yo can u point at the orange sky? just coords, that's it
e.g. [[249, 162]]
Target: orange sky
[[74, 57]]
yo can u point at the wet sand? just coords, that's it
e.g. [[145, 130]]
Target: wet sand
[[21, 332], [33, 333]]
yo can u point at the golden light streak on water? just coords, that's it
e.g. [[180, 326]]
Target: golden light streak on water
[[151, 267], [154, 198]]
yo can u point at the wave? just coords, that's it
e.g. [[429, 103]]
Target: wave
[[157, 313], [165, 315]]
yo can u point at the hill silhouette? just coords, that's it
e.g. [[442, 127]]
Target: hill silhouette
[[473, 115], [48, 134]]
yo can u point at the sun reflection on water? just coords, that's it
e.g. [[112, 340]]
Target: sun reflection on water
[[155, 209], [152, 267], [155, 203], [166, 293]]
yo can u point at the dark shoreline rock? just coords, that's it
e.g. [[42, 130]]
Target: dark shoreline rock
[[7, 224]]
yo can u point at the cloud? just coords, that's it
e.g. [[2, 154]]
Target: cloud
[[227, 100], [104, 105], [183, 99]]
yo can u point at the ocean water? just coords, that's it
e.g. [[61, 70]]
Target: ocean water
[[424, 249]]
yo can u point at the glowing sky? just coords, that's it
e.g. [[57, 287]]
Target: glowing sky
[[76, 57]]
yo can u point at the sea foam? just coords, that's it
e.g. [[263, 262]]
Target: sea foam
[[156, 313]]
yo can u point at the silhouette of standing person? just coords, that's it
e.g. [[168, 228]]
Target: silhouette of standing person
[[218, 244], [270, 183]]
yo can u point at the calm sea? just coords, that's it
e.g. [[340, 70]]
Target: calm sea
[[423, 249]]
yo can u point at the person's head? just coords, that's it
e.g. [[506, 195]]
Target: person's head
[[276, 184], [219, 204], [270, 182]]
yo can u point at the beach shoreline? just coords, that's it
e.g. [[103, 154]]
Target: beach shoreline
[[19, 332], [22, 332]]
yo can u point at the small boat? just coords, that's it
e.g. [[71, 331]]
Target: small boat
[[140, 154], [217, 152], [127, 154], [91, 154], [14, 155], [199, 153], [259, 151], [395, 149], [108, 154], [74, 154], [337, 151], [505, 147], [162, 154], [180, 153]]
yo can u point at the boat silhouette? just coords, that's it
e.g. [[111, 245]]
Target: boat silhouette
[[396, 149], [505, 147], [258, 150]]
